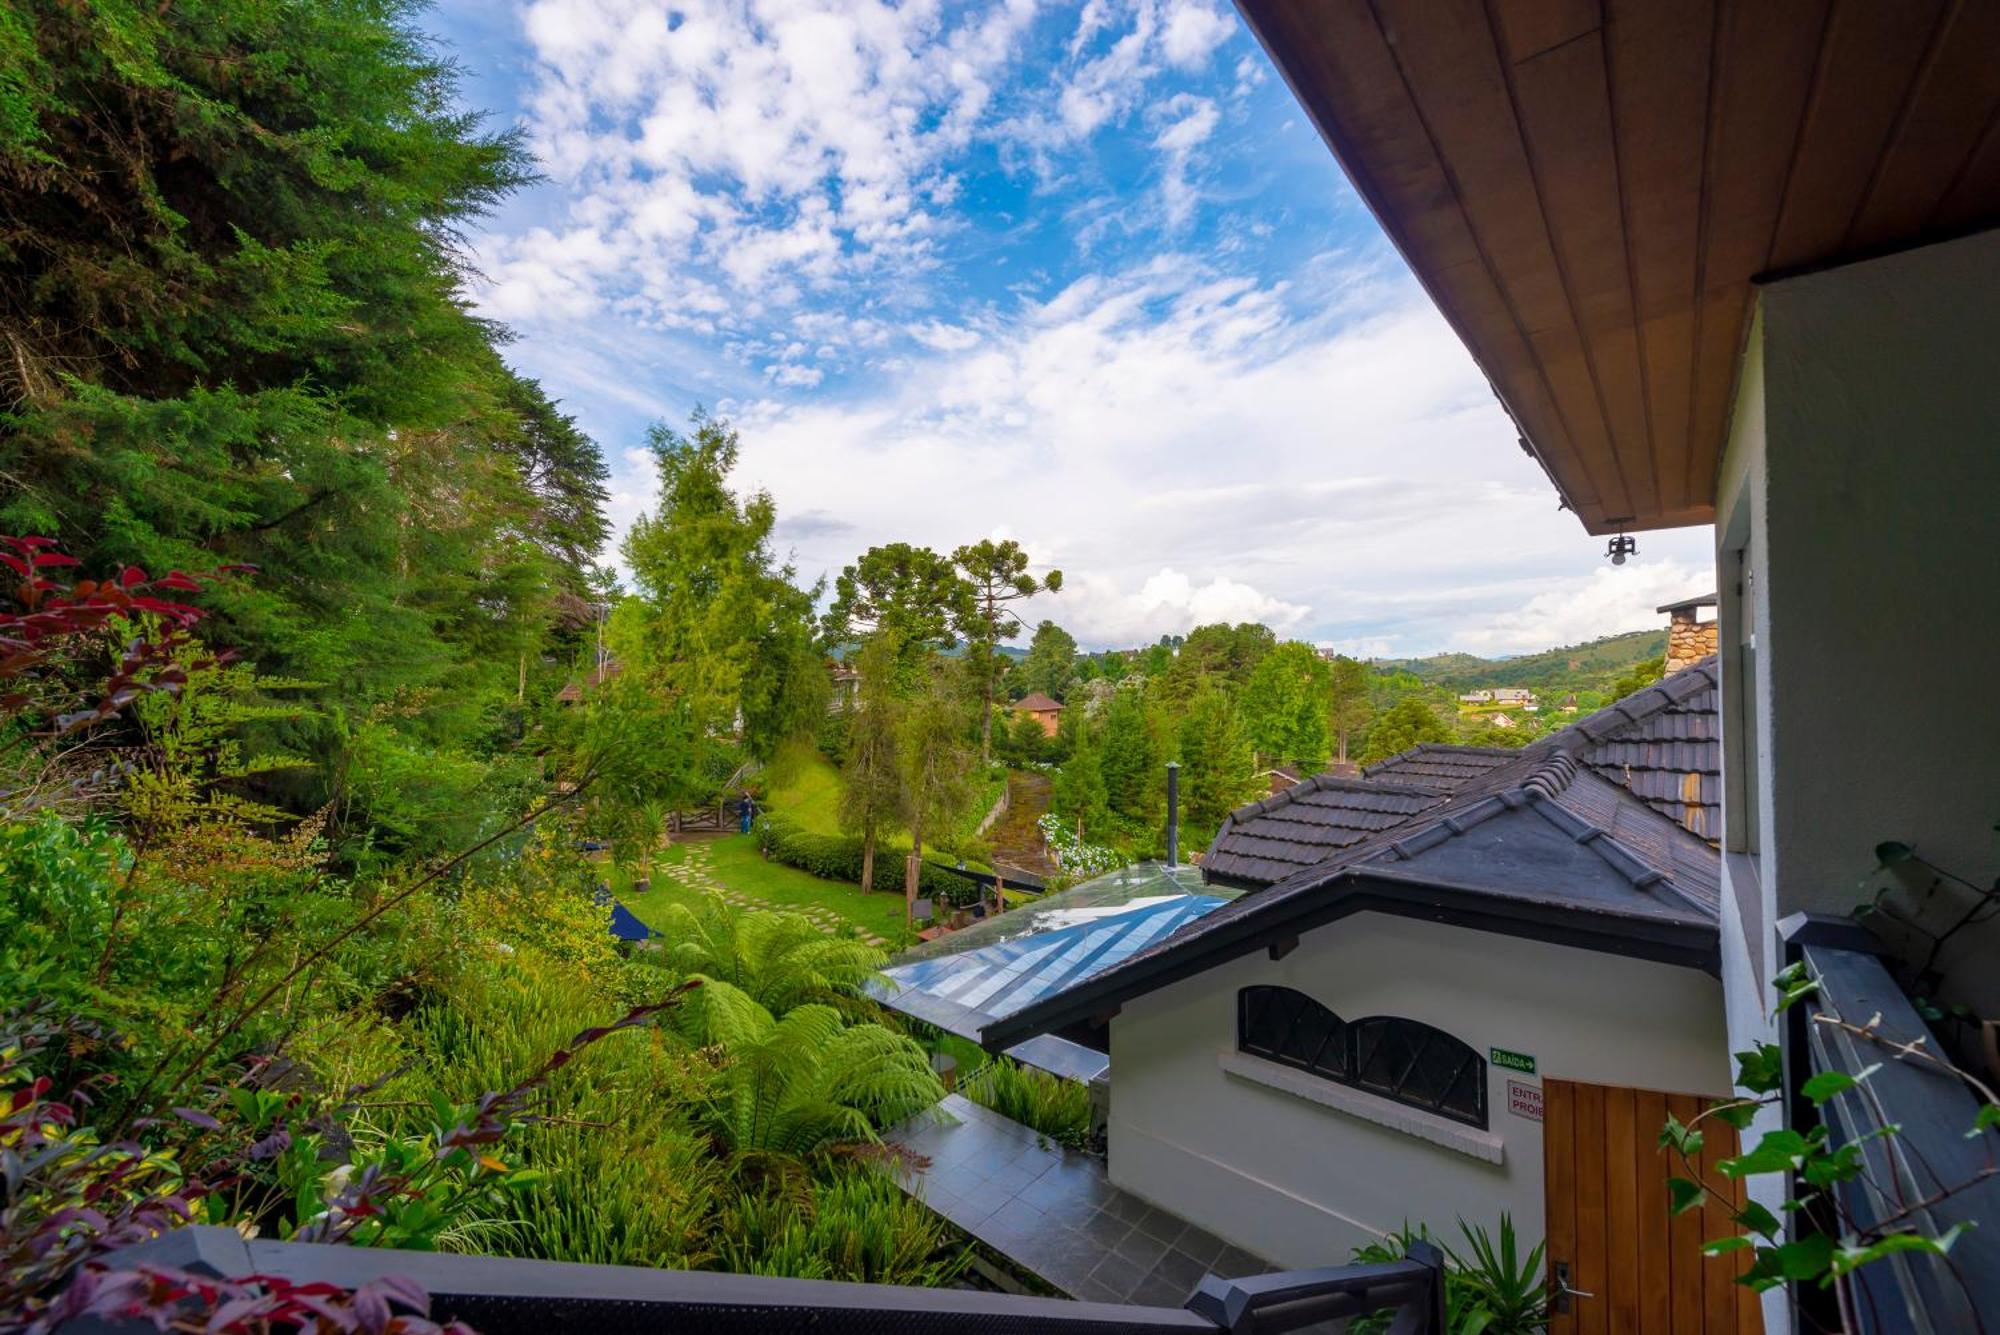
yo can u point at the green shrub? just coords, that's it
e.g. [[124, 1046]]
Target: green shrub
[[835, 857], [855, 1225], [1058, 1108]]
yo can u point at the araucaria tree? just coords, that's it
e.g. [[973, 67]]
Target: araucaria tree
[[908, 595], [873, 799], [936, 771], [998, 573]]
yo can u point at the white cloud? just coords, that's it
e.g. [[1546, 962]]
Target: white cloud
[[1192, 30], [1606, 601], [1188, 122], [1167, 603], [1187, 446], [941, 337], [792, 374], [767, 145]]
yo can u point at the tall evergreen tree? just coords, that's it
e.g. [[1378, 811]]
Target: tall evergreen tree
[[718, 627], [1050, 666], [1216, 768], [936, 771], [1129, 756], [1347, 702], [998, 574], [873, 799], [232, 331]]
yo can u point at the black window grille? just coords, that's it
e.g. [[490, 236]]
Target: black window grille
[[1403, 1060], [1281, 1025]]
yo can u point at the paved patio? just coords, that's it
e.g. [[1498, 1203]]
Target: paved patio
[[1052, 1212]]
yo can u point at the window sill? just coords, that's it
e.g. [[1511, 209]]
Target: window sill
[[1467, 1140]]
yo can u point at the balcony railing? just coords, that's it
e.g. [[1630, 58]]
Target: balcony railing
[[1911, 1121], [502, 1296]]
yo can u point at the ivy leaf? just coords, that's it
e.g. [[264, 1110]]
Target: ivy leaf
[[1778, 1152], [1851, 1255], [1829, 1083], [1761, 1069], [1683, 1195], [1808, 1258], [1723, 1246], [1758, 1220], [1989, 1117]]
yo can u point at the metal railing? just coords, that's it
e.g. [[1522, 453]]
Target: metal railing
[[504, 1296], [1925, 1169]]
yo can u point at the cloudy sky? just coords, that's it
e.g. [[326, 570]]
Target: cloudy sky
[[1074, 273]]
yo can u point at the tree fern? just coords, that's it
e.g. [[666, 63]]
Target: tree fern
[[795, 1085], [781, 959]]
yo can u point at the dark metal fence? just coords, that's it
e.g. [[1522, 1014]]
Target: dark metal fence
[[501, 1296]]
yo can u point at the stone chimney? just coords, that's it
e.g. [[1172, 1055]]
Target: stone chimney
[[1689, 638]]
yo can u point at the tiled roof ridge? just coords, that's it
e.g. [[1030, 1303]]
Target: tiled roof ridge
[[1664, 694], [1431, 748], [1328, 782]]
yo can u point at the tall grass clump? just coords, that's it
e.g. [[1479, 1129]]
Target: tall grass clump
[[1058, 1108]]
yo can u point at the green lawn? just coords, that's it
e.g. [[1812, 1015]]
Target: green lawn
[[809, 795], [733, 861]]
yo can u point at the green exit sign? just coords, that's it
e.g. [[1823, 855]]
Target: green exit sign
[[1514, 1061]]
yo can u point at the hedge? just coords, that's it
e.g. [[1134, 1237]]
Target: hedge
[[838, 858]]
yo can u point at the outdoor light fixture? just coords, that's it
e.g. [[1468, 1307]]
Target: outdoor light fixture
[[1622, 546]]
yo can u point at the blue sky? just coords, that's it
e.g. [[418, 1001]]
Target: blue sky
[[1076, 274]]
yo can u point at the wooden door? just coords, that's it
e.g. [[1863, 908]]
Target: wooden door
[[1608, 1221]]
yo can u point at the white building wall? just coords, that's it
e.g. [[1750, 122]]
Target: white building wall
[[1302, 1184], [1862, 483], [1865, 464]]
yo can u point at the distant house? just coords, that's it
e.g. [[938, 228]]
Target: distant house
[[1501, 720], [1476, 698], [1043, 710], [1513, 695]]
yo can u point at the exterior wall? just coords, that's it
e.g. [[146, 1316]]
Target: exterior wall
[[1855, 549], [1865, 467], [1302, 1184]]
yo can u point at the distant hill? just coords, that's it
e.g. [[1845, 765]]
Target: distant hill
[[1571, 667]]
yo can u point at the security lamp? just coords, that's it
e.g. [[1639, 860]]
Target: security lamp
[[1622, 546]]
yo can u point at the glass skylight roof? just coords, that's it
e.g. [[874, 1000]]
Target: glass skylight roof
[[964, 981]]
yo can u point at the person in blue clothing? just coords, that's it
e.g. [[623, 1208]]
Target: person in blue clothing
[[746, 811]]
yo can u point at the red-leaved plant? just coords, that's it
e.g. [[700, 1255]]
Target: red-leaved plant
[[47, 616]]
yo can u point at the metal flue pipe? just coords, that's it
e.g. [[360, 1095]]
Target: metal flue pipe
[[1173, 813]]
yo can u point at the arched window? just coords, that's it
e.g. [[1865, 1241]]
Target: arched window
[[1407, 1061], [1281, 1025], [1410, 1062]]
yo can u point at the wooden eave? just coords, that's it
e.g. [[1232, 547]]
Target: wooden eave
[[1589, 189]]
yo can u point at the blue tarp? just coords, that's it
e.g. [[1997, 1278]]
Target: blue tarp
[[626, 927]]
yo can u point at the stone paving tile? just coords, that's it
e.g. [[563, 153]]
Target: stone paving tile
[[1052, 1211]]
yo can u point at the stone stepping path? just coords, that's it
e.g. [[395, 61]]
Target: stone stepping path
[[696, 871]]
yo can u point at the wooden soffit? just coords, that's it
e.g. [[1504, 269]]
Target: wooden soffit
[[1590, 188]]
